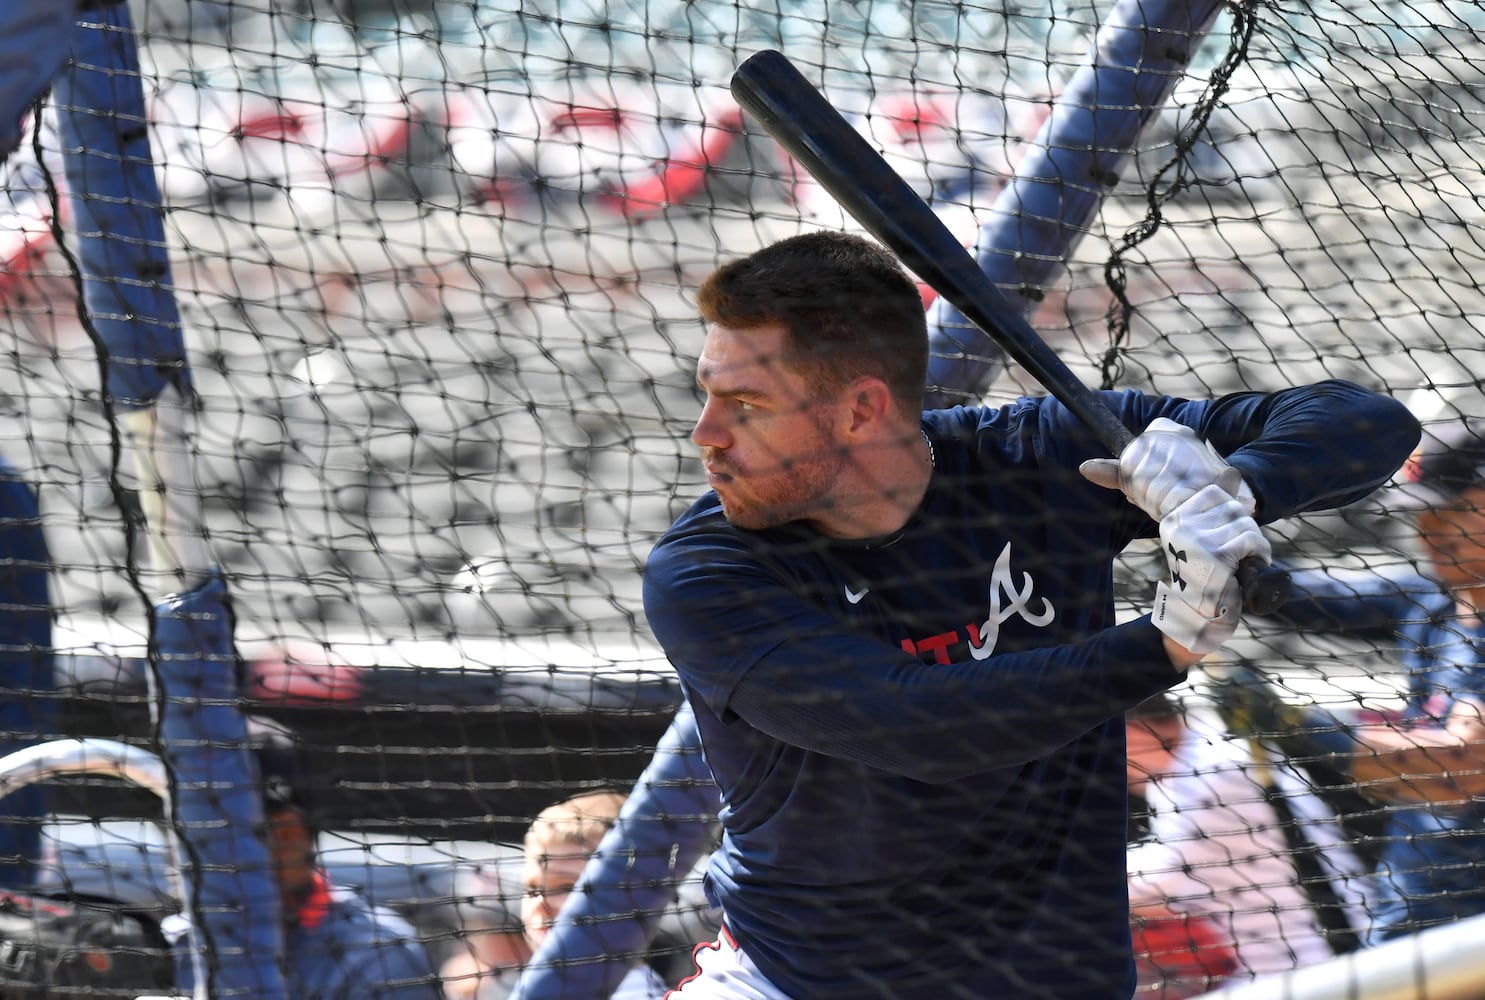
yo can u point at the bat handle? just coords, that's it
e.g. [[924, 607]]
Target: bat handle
[[1265, 588]]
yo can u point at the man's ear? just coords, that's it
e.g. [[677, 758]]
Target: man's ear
[[870, 403]]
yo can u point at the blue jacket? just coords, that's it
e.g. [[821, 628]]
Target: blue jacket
[[340, 948]]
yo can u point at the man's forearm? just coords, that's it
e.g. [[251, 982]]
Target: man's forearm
[[1434, 765]]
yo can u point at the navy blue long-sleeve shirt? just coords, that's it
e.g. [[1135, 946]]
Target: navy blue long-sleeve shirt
[[919, 741]]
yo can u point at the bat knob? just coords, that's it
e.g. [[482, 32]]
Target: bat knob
[[1265, 588]]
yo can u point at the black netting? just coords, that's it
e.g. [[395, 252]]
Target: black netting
[[436, 270]]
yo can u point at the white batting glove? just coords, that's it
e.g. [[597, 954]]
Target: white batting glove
[[1161, 469], [1204, 540]]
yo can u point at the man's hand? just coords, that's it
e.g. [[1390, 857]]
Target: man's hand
[[1164, 467], [1204, 538]]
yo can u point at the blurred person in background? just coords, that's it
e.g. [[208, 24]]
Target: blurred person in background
[[641, 892], [556, 848], [338, 946], [27, 684], [1254, 853], [491, 947], [1426, 764]]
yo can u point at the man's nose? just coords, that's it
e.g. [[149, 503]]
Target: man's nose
[[711, 430]]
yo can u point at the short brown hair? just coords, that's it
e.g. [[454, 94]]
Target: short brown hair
[[580, 822], [847, 306]]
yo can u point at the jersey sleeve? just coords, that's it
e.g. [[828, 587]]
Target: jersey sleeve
[[1312, 447], [745, 645]]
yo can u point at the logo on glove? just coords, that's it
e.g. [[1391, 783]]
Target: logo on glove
[[1178, 556]]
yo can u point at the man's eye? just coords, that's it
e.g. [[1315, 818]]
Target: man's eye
[[745, 407]]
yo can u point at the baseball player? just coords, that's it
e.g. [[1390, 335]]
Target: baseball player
[[1224, 846], [896, 629]]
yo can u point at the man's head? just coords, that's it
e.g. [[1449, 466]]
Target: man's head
[[557, 846], [846, 306], [816, 352], [1444, 482]]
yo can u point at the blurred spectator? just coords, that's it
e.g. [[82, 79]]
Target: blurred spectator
[[337, 945], [491, 947], [1428, 764], [557, 847], [1232, 841], [641, 892], [26, 679]]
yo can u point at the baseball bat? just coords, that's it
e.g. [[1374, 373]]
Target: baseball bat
[[799, 118]]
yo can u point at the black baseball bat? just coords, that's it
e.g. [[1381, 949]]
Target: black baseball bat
[[769, 87]]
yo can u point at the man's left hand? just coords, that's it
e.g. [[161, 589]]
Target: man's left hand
[[1204, 539]]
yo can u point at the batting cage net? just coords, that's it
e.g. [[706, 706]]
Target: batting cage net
[[333, 476]]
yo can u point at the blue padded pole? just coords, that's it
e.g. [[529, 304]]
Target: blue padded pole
[[27, 682], [214, 807], [1139, 55]]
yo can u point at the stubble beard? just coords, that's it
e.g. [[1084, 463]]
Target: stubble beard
[[796, 492]]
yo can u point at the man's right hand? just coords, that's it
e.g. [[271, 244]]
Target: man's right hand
[[1164, 467], [1204, 538]]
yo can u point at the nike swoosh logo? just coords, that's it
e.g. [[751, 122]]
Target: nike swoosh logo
[[854, 596]]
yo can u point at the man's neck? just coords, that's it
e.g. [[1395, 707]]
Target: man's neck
[[882, 495]]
